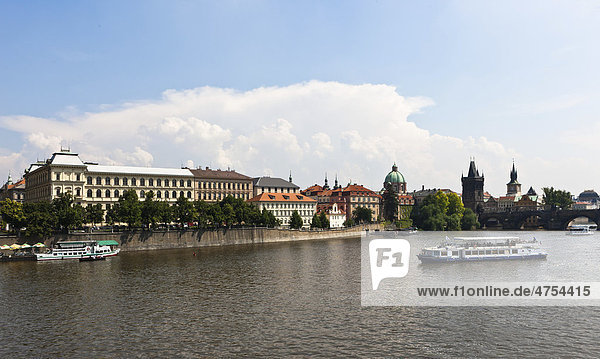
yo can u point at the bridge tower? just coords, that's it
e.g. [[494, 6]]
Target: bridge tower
[[472, 189], [513, 188]]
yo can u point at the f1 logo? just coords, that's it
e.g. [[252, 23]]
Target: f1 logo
[[388, 258]]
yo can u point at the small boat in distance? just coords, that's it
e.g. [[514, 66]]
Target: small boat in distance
[[466, 249], [83, 250], [581, 229]]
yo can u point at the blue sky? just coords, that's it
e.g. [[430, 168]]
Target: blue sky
[[494, 80]]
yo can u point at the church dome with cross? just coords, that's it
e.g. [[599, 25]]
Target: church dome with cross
[[396, 180]]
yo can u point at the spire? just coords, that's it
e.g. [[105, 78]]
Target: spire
[[336, 185], [326, 186], [473, 169], [290, 176], [513, 173], [9, 181], [394, 167]]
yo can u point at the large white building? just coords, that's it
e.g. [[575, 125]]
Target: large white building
[[282, 205], [90, 183]]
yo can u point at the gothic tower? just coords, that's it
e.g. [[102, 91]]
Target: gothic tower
[[472, 189], [513, 188]]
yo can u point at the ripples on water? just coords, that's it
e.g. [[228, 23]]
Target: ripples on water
[[288, 299]]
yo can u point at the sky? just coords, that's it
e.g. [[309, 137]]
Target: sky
[[342, 88]]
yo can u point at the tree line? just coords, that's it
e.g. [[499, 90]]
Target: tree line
[[41, 219]]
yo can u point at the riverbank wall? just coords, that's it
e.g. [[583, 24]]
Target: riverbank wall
[[192, 238]]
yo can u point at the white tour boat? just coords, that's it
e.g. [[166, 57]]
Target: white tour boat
[[465, 249], [83, 250], [581, 229]]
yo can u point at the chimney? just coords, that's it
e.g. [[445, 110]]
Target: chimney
[[422, 187]]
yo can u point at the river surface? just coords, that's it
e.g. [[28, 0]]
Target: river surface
[[274, 300]]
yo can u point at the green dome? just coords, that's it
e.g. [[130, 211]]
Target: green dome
[[394, 176]]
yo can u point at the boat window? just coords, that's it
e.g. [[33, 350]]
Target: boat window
[[455, 253], [468, 253], [488, 252], [515, 251]]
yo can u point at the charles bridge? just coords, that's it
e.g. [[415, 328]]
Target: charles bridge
[[552, 219]]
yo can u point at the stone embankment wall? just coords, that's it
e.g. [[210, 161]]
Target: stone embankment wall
[[149, 240]]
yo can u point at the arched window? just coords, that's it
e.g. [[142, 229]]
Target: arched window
[[89, 180], [125, 182], [166, 194], [107, 181], [57, 191], [151, 182], [189, 194], [189, 183], [142, 194], [98, 180], [116, 181], [89, 192], [133, 182], [107, 193], [98, 193], [116, 193], [181, 194], [158, 182], [78, 192], [174, 194], [158, 194], [180, 183], [174, 183], [142, 181]]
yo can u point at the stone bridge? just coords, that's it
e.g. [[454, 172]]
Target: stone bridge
[[547, 219]]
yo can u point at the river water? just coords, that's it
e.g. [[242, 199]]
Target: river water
[[273, 300]]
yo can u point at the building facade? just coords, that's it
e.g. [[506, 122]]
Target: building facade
[[359, 196], [273, 185], [282, 205], [513, 188], [215, 185], [14, 191], [90, 183]]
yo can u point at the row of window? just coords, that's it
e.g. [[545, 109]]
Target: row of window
[[142, 182], [220, 196], [223, 185], [288, 205], [159, 194]]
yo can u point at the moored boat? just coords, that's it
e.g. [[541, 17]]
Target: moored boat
[[581, 229], [465, 249], [83, 250]]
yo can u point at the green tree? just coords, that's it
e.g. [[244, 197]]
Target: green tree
[[390, 204], [268, 219], [150, 211], [295, 220], [228, 214], [316, 221], [455, 204], [349, 222], [94, 214], [203, 218], [165, 213], [453, 222], [362, 215], [12, 213], [184, 211], [323, 220], [469, 220], [41, 219], [557, 198], [112, 214], [68, 216], [130, 209]]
